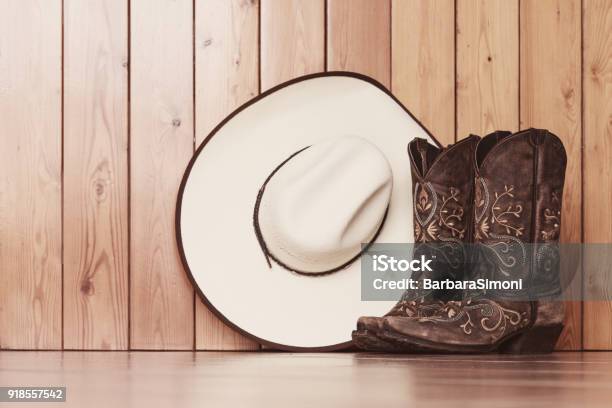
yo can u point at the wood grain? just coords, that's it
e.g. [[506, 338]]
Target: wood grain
[[161, 108], [597, 44], [227, 61], [280, 380], [292, 39], [95, 175], [227, 75], [408, 45], [358, 37], [423, 62], [551, 98], [30, 175], [487, 66]]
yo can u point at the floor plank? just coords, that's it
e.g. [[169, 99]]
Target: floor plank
[[188, 379]]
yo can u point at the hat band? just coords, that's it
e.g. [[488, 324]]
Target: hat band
[[270, 256]]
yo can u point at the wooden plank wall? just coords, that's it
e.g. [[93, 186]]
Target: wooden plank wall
[[162, 130], [552, 99], [423, 62], [103, 103], [597, 173], [96, 231], [226, 75], [30, 175]]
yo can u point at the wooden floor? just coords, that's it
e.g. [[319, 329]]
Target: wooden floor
[[232, 379]]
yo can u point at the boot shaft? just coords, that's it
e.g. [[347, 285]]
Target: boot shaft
[[517, 211], [443, 188]]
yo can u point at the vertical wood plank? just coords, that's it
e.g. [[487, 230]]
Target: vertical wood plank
[[30, 175], [227, 75], [292, 39], [227, 60], [597, 20], [423, 58], [161, 136], [487, 66], [95, 174], [358, 37], [551, 98]]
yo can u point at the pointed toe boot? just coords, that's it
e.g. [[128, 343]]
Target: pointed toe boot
[[443, 193], [517, 220]]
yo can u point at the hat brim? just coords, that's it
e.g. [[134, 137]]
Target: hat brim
[[214, 224]]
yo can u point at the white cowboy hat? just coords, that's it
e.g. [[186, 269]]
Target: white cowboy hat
[[278, 201]]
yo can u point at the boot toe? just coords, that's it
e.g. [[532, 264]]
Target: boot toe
[[407, 329], [403, 326], [369, 323], [439, 335], [369, 342]]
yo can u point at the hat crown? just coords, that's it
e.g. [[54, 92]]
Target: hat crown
[[324, 203]]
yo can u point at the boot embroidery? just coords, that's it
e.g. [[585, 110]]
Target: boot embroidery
[[425, 202], [482, 202], [506, 252], [552, 219], [431, 218], [547, 253], [451, 218], [547, 261], [501, 217], [494, 318], [481, 198], [501, 213], [505, 316], [412, 308], [453, 312], [467, 326], [427, 234], [482, 230]]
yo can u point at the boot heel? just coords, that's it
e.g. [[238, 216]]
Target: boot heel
[[537, 340]]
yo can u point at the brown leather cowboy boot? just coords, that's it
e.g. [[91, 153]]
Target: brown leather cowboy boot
[[443, 186], [519, 187]]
